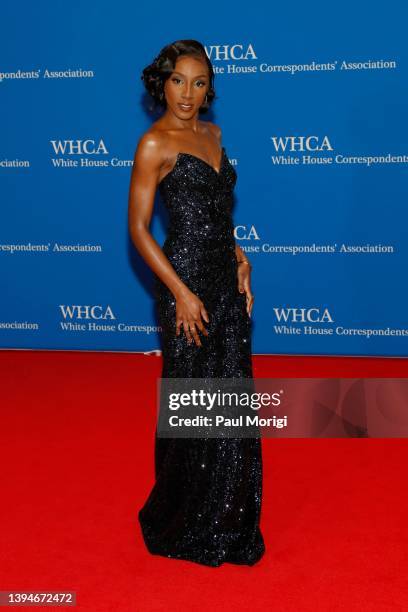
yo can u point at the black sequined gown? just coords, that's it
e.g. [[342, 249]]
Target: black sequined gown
[[206, 501]]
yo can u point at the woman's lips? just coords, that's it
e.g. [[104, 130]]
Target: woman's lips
[[185, 107]]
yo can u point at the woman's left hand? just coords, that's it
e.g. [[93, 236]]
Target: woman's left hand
[[244, 285]]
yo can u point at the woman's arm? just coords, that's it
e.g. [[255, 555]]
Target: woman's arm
[[148, 160], [143, 184], [244, 277], [240, 253]]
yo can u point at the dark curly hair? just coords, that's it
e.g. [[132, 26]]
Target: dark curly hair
[[156, 74]]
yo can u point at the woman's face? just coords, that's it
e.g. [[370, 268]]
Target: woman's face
[[186, 87]]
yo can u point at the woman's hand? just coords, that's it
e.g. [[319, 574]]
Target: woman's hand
[[189, 310], [244, 284]]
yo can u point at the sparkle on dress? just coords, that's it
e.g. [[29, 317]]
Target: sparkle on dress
[[206, 501]]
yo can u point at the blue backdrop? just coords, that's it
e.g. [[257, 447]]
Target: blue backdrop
[[312, 104]]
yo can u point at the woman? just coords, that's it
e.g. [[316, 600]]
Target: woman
[[205, 504]]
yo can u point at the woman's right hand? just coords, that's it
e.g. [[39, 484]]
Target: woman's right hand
[[189, 310]]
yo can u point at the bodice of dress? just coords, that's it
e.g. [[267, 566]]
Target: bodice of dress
[[199, 200]]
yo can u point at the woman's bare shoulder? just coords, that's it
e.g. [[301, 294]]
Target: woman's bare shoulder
[[214, 129], [158, 137], [151, 144]]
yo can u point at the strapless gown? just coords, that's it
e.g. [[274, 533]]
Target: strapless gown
[[206, 500]]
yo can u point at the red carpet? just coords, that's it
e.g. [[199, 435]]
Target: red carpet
[[77, 433]]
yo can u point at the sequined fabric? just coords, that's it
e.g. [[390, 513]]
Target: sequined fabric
[[205, 504]]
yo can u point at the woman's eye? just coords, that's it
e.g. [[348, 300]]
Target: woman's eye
[[177, 80]]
